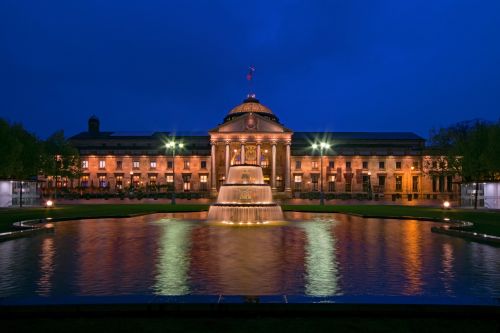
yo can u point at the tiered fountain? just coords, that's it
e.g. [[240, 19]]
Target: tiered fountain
[[245, 198]]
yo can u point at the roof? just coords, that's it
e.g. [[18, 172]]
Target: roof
[[358, 135], [250, 104]]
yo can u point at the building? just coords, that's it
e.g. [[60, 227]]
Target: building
[[383, 164], [17, 193]]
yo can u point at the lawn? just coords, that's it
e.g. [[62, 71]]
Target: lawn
[[484, 221], [9, 215], [487, 222]]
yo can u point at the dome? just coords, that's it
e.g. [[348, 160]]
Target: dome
[[250, 104]]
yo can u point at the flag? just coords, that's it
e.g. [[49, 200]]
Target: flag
[[251, 70]]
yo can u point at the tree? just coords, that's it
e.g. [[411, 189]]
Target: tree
[[470, 148]]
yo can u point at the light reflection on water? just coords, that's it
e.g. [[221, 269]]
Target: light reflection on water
[[312, 254]]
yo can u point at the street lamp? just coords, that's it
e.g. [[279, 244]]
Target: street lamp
[[173, 145], [322, 146]]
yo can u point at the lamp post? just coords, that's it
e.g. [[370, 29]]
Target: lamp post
[[322, 146], [172, 145]]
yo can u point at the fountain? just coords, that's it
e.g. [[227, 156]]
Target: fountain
[[245, 198]]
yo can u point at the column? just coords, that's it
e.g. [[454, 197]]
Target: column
[[287, 171], [273, 174], [214, 176], [242, 158], [228, 157], [258, 153]]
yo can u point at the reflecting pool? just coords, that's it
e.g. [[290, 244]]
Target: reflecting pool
[[311, 254]]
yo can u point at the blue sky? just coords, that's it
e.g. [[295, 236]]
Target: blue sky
[[181, 65]]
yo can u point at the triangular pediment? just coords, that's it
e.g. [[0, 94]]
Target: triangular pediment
[[251, 122]]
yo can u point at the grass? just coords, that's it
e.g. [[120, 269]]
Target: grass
[[11, 215], [485, 222]]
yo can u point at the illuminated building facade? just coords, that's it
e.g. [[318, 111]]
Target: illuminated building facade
[[377, 163]]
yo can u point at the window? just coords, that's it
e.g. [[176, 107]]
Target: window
[[102, 164], [365, 164], [152, 165], [203, 182], [85, 164], [314, 165], [152, 180], [381, 181], [279, 182], [348, 165], [84, 181], [170, 164], [119, 182], [102, 182], [366, 183], [434, 183], [135, 165], [415, 165], [441, 183], [399, 183], [187, 183], [298, 164], [348, 184], [297, 181], [398, 165], [136, 179], [449, 183], [331, 183], [414, 182], [315, 179], [203, 164], [186, 164], [118, 165], [434, 164], [381, 165], [331, 164]]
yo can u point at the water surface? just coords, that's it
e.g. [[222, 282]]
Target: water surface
[[312, 254]]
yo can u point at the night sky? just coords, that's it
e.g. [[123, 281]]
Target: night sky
[[397, 65]]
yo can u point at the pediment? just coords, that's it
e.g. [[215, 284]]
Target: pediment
[[251, 122]]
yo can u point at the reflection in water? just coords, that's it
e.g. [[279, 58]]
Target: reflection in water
[[447, 273], [46, 266], [314, 254], [173, 258], [412, 253], [321, 267]]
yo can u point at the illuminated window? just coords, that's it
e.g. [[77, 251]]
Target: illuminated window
[[119, 182], [186, 183], [170, 178], [186, 164], [85, 164], [136, 179], [84, 181], [102, 182], [102, 164], [203, 182], [297, 179], [152, 164], [135, 164], [399, 183], [331, 183], [152, 180], [314, 165]]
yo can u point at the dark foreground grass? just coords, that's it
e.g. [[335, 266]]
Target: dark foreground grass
[[251, 325], [9, 215], [484, 221]]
